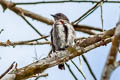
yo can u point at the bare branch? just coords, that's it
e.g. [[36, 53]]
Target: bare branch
[[55, 59], [40, 75], [61, 57], [73, 1], [111, 63], [9, 43], [32, 26], [78, 69], [28, 42], [68, 66], [102, 22], [11, 66], [27, 13], [89, 68], [95, 38], [83, 43], [1, 31], [77, 27]]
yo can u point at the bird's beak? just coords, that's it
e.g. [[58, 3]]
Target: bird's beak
[[53, 15]]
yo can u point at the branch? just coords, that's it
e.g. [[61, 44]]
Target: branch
[[11, 66], [40, 75], [93, 39], [102, 21], [111, 63], [32, 26], [62, 56], [83, 43], [56, 58], [1, 31], [74, 1], [28, 42], [20, 11], [87, 27], [89, 68], [78, 69], [9, 43], [68, 66]]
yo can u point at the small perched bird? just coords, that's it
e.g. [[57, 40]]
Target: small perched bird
[[62, 34]]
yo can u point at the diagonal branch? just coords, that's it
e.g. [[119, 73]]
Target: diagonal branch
[[78, 69], [68, 66], [61, 57], [57, 58], [32, 26], [95, 38], [20, 11], [89, 68], [10, 67]]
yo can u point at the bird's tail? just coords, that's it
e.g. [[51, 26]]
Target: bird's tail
[[61, 66]]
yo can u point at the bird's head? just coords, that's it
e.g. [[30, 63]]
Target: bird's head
[[60, 16]]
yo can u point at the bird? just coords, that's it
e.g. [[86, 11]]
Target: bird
[[62, 34]]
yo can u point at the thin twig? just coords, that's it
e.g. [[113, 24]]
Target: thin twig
[[87, 13], [88, 27], [73, 1], [32, 26], [1, 31], [101, 10], [78, 69], [87, 31], [11, 66], [40, 75], [27, 42], [90, 69], [36, 58], [68, 66], [9, 43], [42, 37], [50, 52], [80, 62]]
